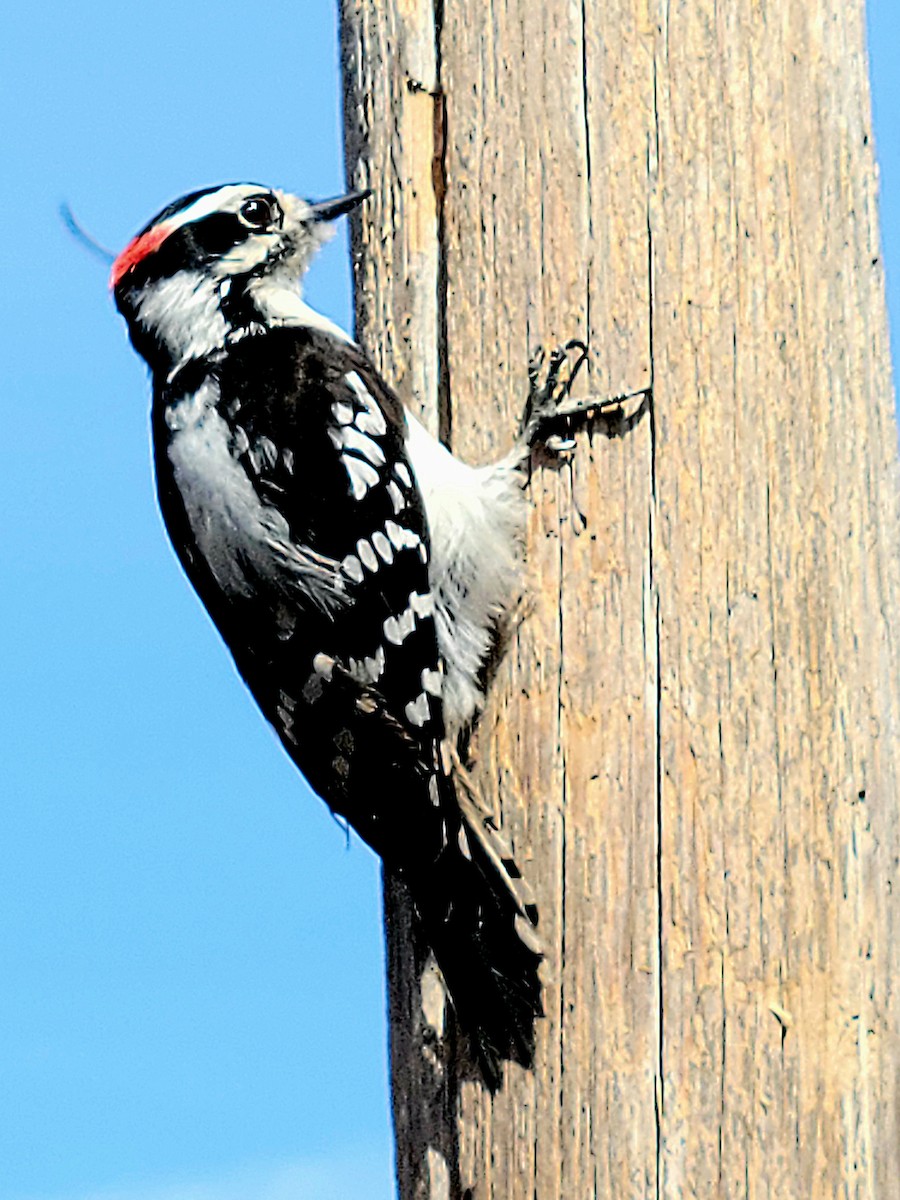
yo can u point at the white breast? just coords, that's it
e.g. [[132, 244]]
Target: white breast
[[476, 517]]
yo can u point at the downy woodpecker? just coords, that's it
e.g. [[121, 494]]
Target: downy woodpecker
[[358, 572]]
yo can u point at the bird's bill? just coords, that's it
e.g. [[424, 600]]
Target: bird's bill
[[330, 210]]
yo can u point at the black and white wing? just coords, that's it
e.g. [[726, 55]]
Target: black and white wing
[[330, 618], [304, 427]]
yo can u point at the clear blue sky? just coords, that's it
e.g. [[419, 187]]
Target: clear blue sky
[[191, 1005]]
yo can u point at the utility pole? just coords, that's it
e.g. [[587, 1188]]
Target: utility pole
[[693, 741]]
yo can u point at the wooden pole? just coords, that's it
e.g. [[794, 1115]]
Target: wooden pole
[[693, 742]]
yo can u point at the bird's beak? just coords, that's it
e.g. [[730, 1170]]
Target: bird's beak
[[330, 210]]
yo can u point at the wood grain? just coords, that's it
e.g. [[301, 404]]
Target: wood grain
[[693, 742]]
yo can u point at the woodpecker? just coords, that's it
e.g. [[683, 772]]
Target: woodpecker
[[359, 573]]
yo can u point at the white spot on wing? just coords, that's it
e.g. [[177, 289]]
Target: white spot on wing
[[402, 472], [265, 453], [396, 497], [370, 422], [358, 442], [367, 554], [407, 622], [323, 665], [268, 448], [362, 475], [383, 546], [418, 711], [395, 533], [372, 419], [397, 629], [343, 413], [401, 538], [375, 666], [432, 682], [352, 568], [434, 794], [422, 605]]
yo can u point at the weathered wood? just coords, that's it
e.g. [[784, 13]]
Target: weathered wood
[[693, 742]]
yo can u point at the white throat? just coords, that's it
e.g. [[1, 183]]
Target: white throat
[[185, 314], [281, 303]]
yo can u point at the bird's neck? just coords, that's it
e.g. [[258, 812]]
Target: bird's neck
[[280, 302], [177, 320], [191, 317]]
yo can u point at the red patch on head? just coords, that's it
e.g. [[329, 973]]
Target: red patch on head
[[137, 250]]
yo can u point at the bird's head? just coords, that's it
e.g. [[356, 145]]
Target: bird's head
[[216, 262]]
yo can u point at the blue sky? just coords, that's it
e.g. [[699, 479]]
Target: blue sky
[[192, 998]]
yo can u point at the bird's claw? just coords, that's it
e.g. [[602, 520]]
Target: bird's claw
[[550, 381]]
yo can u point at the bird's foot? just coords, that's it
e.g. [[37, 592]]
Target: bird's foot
[[550, 380], [551, 410]]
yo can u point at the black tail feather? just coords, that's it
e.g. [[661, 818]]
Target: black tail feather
[[472, 905], [481, 927]]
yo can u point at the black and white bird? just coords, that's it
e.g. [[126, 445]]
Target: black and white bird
[[358, 572]]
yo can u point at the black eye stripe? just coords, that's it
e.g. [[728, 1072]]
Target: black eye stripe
[[214, 235], [219, 232]]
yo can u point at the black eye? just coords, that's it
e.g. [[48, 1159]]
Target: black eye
[[259, 212]]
